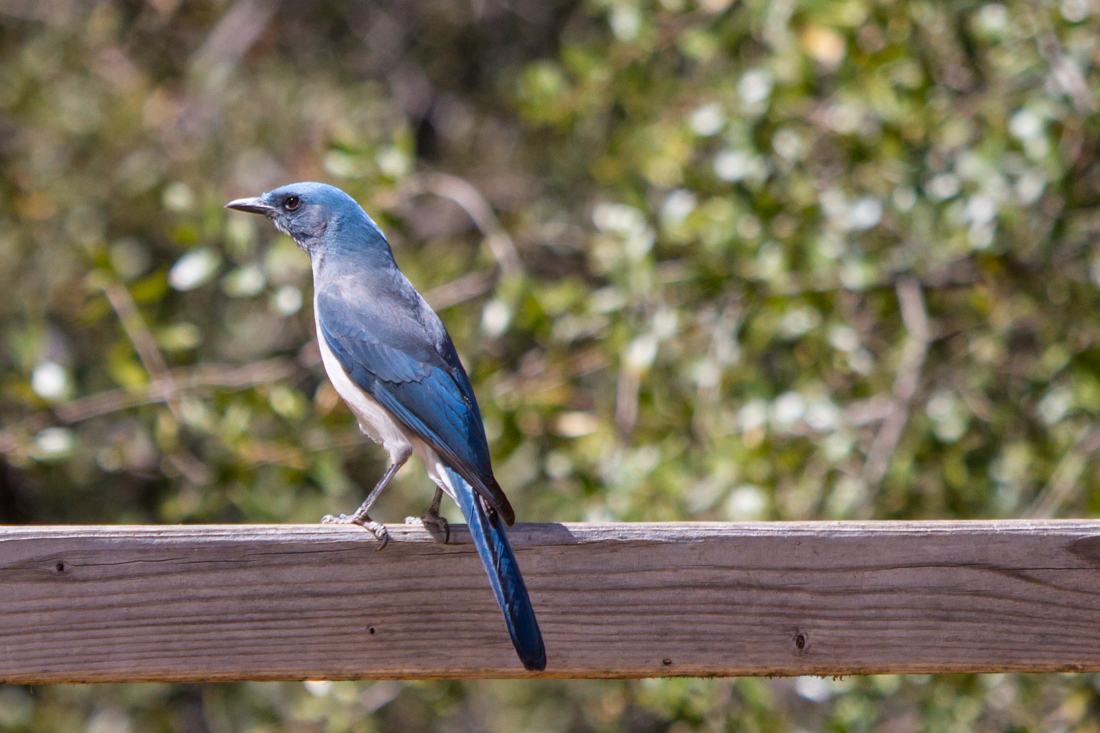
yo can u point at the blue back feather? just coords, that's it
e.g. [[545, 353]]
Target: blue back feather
[[393, 346]]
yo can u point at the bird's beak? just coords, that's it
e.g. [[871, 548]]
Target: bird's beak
[[252, 206]]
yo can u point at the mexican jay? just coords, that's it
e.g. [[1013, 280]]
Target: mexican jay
[[390, 358]]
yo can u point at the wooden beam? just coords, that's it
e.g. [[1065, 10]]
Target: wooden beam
[[614, 600]]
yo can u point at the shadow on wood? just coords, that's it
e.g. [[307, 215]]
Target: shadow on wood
[[614, 600]]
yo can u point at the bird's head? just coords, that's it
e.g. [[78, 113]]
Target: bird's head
[[306, 212]]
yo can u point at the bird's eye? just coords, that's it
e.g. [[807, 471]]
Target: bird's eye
[[292, 203]]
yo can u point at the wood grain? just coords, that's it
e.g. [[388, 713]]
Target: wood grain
[[614, 600]]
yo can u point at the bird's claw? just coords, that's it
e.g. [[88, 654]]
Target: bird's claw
[[379, 532], [435, 524], [375, 528]]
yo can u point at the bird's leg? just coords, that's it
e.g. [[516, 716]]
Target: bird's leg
[[360, 516], [432, 519]]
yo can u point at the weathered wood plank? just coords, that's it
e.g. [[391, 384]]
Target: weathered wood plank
[[614, 600]]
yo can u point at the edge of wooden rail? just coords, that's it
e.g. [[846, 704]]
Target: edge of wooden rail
[[249, 602], [556, 533]]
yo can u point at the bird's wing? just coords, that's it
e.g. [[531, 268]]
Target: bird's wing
[[397, 350]]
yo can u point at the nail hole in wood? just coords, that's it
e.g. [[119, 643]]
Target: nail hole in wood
[[667, 662], [370, 630], [59, 567], [799, 641]]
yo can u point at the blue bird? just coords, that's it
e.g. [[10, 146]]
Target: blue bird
[[390, 358]]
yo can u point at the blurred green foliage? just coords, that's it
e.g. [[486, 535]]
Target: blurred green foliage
[[776, 260]]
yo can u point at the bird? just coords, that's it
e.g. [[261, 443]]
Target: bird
[[392, 361]]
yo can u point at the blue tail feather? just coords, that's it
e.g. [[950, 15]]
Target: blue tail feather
[[500, 565]]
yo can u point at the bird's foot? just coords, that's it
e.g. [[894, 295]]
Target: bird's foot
[[375, 528], [434, 524]]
